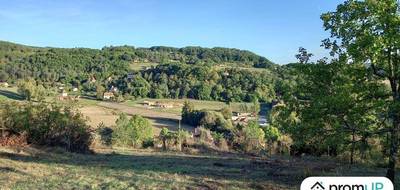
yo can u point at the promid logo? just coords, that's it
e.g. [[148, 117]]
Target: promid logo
[[372, 186], [346, 183]]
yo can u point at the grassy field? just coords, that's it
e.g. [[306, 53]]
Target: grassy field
[[177, 109], [141, 65], [147, 169]]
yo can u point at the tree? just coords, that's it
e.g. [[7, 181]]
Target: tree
[[253, 137], [100, 91], [187, 112], [164, 136], [367, 32], [203, 92], [226, 112], [331, 107], [3, 76], [29, 90], [303, 56], [133, 132]]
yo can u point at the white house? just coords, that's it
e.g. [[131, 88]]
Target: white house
[[108, 95], [4, 84]]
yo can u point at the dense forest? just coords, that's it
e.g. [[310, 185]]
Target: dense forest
[[194, 72]]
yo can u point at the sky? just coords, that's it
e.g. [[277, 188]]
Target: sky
[[274, 29]]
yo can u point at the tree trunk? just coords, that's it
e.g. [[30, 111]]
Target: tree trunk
[[164, 144], [394, 132], [353, 145], [394, 138]]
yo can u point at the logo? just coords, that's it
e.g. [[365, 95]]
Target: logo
[[318, 186], [346, 183]]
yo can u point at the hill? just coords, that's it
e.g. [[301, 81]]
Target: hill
[[9, 52], [156, 72]]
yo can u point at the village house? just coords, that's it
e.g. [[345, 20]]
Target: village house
[[108, 95], [4, 84], [63, 94], [242, 118], [164, 105], [113, 89], [148, 103], [237, 115], [158, 104]]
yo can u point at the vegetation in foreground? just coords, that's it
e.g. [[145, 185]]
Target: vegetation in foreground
[[30, 168]]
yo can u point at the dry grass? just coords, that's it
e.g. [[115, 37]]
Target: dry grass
[[177, 109], [148, 169], [98, 114]]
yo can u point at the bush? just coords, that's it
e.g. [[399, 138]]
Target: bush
[[215, 121], [250, 138], [220, 141], [133, 132], [47, 124], [164, 136], [178, 139], [148, 143], [105, 134], [204, 135]]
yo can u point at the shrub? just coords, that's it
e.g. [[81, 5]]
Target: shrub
[[148, 143], [105, 134], [164, 137], [47, 124], [204, 135], [226, 112], [254, 137], [250, 138], [181, 138], [133, 132], [216, 122], [220, 141], [177, 139]]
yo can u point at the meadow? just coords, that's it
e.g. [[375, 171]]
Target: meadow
[[31, 168]]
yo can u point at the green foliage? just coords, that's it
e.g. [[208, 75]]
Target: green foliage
[[164, 136], [200, 82], [254, 137], [272, 134], [220, 141], [226, 112], [215, 121], [105, 134], [366, 33], [177, 138], [189, 115], [47, 124], [30, 90], [132, 132], [100, 91]]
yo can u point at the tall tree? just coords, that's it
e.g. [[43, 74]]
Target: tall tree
[[368, 32]]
